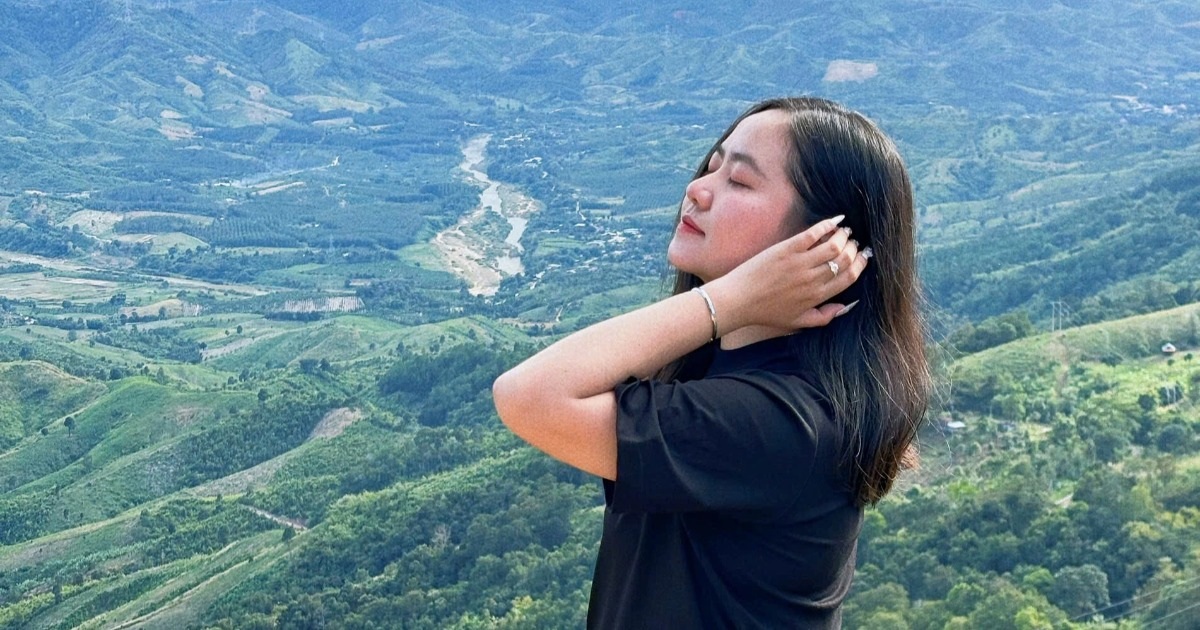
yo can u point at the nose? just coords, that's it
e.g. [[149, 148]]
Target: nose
[[699, 193]]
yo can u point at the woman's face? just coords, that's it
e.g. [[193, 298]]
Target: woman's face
[[742, 205]]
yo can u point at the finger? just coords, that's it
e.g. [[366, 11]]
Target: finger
[[861, 259], [845, 258], [829, 258], [822, 260], [819, 316], [827, 236], [836, 242], [805, 240], [849, 273]]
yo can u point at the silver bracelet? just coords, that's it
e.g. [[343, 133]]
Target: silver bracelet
[[712, 310]]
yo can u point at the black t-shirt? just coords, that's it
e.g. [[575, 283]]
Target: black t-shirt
[[729, 509]]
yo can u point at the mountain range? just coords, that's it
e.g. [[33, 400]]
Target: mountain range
[[252, 301]]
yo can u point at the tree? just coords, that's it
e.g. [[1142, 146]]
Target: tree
[[1079, 590], [992, 332], [875, 608], [964, 597], [1030, 618], [1173, 595], [1039, 579], [1174, 438], [1110, 501], [70, 424], [1009, 607], [886, 620], [1110, 444]]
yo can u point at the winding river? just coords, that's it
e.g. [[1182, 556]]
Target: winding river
[[468, 253]]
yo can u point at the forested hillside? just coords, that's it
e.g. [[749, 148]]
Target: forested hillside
[[260, 261]]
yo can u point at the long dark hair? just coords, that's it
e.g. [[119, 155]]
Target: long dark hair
[[871, 362]]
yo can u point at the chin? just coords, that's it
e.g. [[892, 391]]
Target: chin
[[681, 264], [673, 255], [679, 261], [689, 260]]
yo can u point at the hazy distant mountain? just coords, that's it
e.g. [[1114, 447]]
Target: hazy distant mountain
[[987, 98], [245, 364]]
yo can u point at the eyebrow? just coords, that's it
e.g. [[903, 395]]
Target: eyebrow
[[744, 158]]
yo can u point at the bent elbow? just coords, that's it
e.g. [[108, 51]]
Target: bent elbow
[[511, 398]]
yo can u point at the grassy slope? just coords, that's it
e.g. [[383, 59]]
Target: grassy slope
[[1139, 339], [188, 585], [117, 455], [173, 592], [114, 468], [34, 394]]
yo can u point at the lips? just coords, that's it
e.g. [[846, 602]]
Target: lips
[[688, 224]]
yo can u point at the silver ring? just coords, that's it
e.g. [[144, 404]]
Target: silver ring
[[833, 267]]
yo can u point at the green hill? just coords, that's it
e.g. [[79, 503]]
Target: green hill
[[34, 394], [1108, 258], [1087, 433], [1134, 339], [241, 386]]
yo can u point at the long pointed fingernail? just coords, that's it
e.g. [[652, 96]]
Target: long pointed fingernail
[[846, 308], [868, 252], [838, 219]]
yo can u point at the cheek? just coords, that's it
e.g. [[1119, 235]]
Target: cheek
[[767, 230], [734, 252]]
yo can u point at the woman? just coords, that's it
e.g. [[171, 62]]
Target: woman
[[741, 425]]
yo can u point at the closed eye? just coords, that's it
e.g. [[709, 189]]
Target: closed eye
[[714, 163]]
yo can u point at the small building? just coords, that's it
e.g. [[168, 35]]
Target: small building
[[1168, 349]]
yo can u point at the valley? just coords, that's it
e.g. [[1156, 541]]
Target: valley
[[261, 260], [469, 247]]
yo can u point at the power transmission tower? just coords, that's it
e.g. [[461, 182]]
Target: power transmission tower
[[1171, 393], [1060, 316]]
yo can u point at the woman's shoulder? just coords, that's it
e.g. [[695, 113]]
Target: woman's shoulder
[[760, 396], [797, 387], [789, 381]]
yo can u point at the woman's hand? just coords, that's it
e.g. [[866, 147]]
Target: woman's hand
[[787, 284]]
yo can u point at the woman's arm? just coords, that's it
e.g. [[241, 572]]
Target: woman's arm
[[561, 399]]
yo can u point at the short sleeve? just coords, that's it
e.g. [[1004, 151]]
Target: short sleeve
[[743, 442]]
